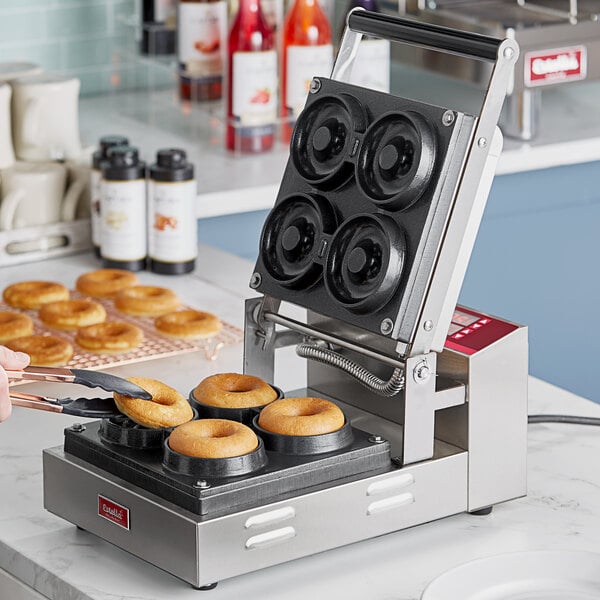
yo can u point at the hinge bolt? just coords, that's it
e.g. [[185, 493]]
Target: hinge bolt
[[421, 372]]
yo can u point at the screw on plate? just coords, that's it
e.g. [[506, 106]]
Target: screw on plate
[[315, 86], [202, 484], [255, 280], [78, 427], [482, 142], [386, 326], [376, 439], [421, 372], [508, 53], [448, 118], [428, 325]]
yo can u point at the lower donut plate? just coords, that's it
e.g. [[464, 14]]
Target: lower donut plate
[[283, 475]]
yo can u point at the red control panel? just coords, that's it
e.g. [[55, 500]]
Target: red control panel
[[471, 332]]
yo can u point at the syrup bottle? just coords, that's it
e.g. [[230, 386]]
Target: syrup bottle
[[371, 68], [99, 158], [252, 90], [201, 52], [307, 53], [123, 233], [172, 231], [159, 19]]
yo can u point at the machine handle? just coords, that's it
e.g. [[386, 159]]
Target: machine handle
[[426, 35], [502, 54]]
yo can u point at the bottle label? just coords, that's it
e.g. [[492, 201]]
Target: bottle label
[[172, 223], [371, 68], [255, 87], [95, 206], [302, 64], [201, 40], [123, 234]]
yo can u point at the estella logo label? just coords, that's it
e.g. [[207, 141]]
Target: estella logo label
[[113, 512], [555, 66]]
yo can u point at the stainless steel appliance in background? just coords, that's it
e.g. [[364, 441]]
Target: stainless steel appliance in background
[[559, 42], [372, 231]]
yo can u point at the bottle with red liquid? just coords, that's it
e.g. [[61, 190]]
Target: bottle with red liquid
[[307, 53], [201, 51], [252, 90]]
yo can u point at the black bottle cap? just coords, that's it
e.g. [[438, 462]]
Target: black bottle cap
[[157, 39], [123, 164], [171, 165], [106, 143]]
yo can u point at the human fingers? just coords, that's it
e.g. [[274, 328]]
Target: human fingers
[[5, 405], [13, 360]]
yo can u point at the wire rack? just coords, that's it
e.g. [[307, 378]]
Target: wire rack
[[154, 345]]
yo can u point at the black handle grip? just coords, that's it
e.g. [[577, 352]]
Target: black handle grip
[[426, 35]]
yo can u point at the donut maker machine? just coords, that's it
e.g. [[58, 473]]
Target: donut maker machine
[[371, 232]]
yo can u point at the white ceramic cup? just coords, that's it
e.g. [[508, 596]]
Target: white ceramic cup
[[38, 194], [76, 204], [7, 153], [46, 117], [14, 70]]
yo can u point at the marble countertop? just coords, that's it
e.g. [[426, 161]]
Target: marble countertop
[[227, 184], [561, 511]]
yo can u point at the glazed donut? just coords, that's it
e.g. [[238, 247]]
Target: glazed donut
[[32, 294], [72, 314], [167, 408], [110, 337], [13, 325], [43, 350], [105, 283], [188, 324], [232, 390], [146, 301], [213, 438], [301, 416]]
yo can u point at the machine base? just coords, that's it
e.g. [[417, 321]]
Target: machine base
[[203, 550]]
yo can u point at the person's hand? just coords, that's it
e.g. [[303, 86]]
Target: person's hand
[[9, 360]]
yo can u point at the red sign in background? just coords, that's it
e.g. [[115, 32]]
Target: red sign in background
[[555, 66]]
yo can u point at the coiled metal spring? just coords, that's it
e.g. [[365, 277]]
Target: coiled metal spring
[[391, 387]]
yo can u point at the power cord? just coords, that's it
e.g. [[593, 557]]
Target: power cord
[[564, 419]]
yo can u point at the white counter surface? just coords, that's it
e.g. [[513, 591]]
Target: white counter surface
[[561, 511]]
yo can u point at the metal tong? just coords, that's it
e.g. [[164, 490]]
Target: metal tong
[[80, 407]]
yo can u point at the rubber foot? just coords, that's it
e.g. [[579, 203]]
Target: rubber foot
[[206, 588], [482, 512], [80, 528]]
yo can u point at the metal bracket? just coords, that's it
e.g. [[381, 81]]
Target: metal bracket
[[259, 358], [421, 401]]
